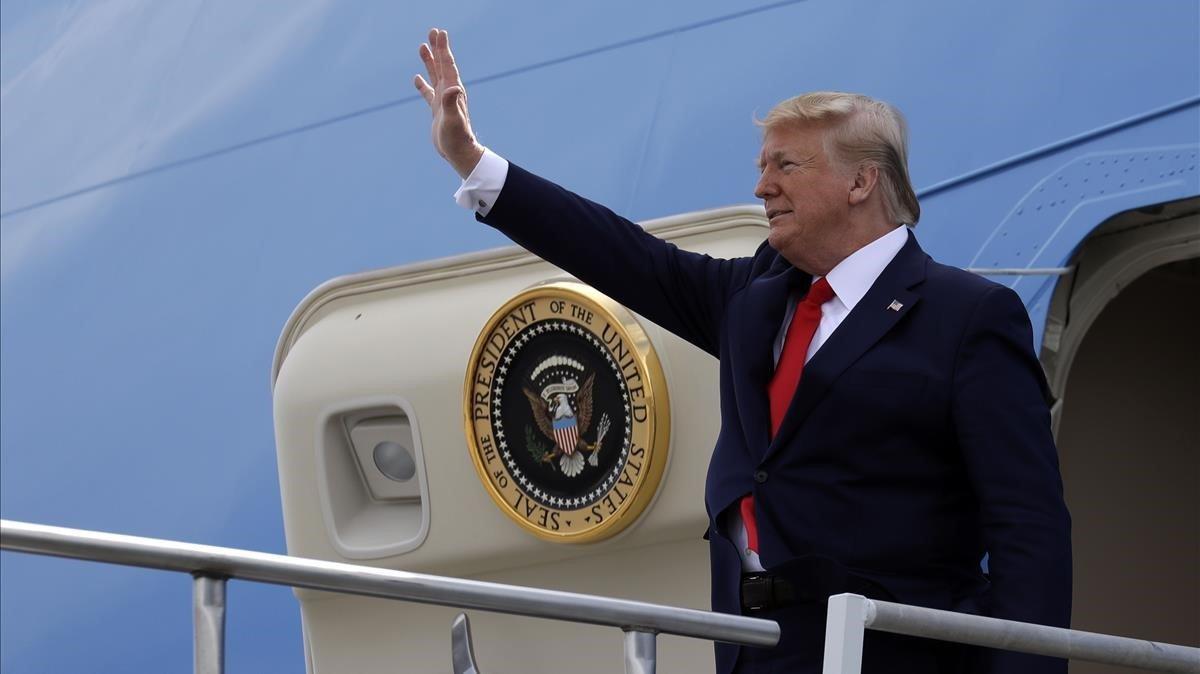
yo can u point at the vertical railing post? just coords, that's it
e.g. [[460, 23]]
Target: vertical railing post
[[462, 650], [208, 617], [640, 652], [844, 626]]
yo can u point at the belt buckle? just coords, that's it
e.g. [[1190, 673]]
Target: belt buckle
[[758, 592]]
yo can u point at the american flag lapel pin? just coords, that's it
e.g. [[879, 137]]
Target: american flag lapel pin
[[895, 305]]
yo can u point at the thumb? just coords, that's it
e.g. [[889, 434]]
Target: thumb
[[450, 99]]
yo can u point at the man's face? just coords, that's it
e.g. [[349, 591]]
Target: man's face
[[806, 195]]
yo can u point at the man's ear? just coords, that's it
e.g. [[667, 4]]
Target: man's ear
[[865, 180]]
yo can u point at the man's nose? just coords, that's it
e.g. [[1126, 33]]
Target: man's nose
[[765, 187]]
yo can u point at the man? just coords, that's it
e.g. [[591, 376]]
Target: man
[[883, 416]]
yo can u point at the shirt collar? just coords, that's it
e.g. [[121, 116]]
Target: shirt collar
[[854, 276]]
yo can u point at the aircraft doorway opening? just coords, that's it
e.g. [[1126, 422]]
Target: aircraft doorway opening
[[1129, 442]]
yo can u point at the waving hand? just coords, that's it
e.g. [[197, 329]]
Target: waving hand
[[447, 99]]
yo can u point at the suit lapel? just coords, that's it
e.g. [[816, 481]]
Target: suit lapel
[[888, 300], [759, 318]]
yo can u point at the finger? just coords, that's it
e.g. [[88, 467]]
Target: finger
[[450, 62], [430, 67], [445, 60], [424, 89]]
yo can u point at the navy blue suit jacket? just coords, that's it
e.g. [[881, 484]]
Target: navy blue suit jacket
[[918, 438]]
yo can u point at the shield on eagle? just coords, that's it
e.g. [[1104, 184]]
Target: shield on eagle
[[566, 434]]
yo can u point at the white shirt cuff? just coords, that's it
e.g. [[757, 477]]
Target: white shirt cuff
[[481, 189]]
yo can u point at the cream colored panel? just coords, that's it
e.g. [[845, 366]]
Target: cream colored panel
[[412, 342], [397, 342]]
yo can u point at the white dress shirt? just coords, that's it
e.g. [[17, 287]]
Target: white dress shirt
[[850, 280]]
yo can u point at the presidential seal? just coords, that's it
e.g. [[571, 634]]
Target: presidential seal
[[566, 413]]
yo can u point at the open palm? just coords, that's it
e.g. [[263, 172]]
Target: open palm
[[447, 99]]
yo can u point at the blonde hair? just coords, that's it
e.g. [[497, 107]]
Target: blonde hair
[[861, 130]]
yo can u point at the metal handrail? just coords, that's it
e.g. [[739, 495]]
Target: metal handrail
[[208, 562], [849, 614]]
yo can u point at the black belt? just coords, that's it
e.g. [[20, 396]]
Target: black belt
[[802, 581]]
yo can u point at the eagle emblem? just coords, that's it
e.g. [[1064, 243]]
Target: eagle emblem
[[562, 411], [568, 420]]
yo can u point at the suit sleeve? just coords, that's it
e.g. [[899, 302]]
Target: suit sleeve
[[682, 291], [1003, 426]]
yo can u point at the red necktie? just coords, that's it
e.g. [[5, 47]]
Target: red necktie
[[787, 377]]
